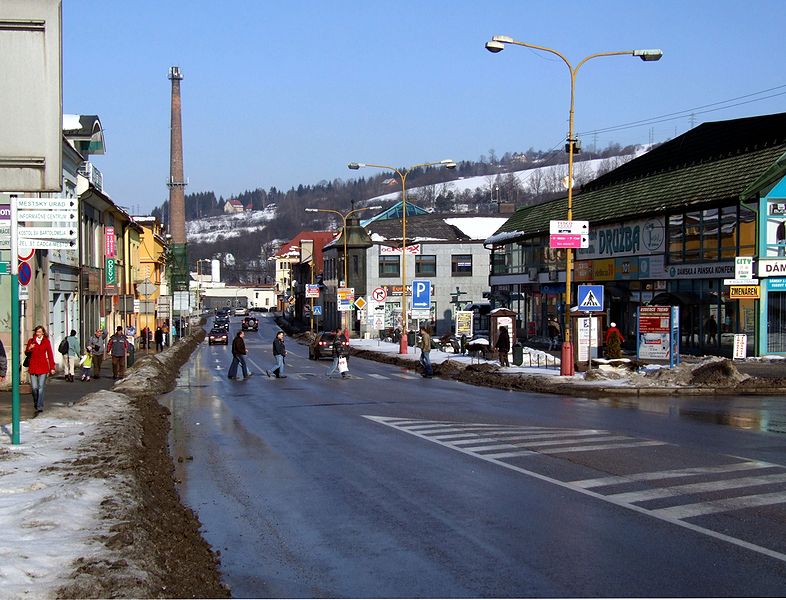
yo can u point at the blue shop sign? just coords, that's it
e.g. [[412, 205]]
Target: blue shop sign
[[777, 284]]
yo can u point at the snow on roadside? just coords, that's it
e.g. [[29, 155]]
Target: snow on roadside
[[49, 517]]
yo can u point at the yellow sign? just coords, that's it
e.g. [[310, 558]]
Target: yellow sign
[[744, 291]]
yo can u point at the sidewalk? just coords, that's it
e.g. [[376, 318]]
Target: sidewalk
[[59, 393]]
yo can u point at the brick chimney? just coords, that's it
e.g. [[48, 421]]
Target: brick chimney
[[176, 183]]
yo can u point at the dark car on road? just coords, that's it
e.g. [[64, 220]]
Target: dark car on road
[[218, 335], [250, 324], [322, 346]]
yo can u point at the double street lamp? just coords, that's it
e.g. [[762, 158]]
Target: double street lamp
[[344, 234], [402, 174], [497, 44]]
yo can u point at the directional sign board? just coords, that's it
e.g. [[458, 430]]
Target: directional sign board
[[591, 297], [40, 244], [569, 227], [55, 233], [568, 240], [46, 204], [46, 215]]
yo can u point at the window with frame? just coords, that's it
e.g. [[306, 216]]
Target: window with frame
[[389, 266], [425, 265], [461, 265], [711, 234]]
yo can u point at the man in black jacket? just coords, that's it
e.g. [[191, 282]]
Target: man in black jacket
[[238, 357], [279, 352]]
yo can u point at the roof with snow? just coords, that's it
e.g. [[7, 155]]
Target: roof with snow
[[709, 165], [438, 228]]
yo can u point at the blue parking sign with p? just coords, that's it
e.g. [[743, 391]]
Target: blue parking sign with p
[[421, 293]]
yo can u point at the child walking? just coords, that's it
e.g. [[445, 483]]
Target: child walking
[[87, 365]]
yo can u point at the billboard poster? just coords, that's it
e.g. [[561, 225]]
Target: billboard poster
[[464, 323], [654, 333]]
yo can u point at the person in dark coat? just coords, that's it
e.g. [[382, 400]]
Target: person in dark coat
[[3, 362], [239, 356], [159, 339], [503, 346], [279, 352], [338, 351]]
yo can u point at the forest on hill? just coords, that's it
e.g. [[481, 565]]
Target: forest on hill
[[250, 251]]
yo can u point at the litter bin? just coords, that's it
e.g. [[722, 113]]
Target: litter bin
[[130, 355], [518, 354], [411, 338]]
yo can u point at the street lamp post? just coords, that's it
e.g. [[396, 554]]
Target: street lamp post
[[497, 44], [344, 217], [402, 173]]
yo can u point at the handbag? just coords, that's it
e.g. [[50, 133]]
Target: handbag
[[26, 362], [342, 364]]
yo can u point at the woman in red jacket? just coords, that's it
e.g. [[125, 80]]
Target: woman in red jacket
[[42, 363]]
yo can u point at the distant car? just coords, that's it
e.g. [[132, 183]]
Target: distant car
[[241, 311], [256, 309], [218, 335], [249, 324], [262, 309], [322, 346], [223, 311], [221, 323]]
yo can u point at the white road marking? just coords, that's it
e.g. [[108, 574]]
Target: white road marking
[[655, 475], [697, 488], [603, 447], [673, 515], [715, 506], [378, 376]]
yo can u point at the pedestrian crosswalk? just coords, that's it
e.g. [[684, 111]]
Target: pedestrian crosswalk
[[701, 486]]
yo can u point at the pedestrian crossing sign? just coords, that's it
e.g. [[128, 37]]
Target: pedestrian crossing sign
[[591, 297]]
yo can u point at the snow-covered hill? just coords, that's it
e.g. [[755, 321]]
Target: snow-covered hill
[[539, 179], [233, 225]]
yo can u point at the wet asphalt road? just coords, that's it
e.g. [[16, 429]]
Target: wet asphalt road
[[388, 485]]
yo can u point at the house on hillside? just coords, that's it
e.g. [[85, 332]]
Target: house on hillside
[[233, 206]]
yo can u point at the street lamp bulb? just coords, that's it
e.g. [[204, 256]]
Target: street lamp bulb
[[649, 55], [355, 166], [494, 46]]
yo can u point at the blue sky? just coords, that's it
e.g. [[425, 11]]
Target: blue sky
[[283, 93]]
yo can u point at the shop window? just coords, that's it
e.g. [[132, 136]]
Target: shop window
[[425, 266], [728, 232], [710, 234], [676, 236], [776, 322], [692, 236], [747, 242], [389, 266]]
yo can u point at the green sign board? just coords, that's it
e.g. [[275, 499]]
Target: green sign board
[[5, 268], [110, 272]]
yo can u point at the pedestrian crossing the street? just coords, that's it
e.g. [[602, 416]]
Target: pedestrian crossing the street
[[687, 496]]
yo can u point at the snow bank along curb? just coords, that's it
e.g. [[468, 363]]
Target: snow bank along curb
[[713, 376], [142, 507]]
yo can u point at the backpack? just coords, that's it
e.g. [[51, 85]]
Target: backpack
[[63, 347]]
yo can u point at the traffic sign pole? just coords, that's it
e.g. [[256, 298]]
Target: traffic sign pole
[[15, 329]]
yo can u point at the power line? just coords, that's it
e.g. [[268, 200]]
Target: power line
[[690, 111]]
